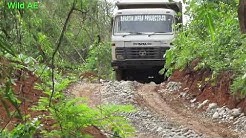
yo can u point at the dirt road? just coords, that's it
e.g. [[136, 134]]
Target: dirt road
[[160, 112]]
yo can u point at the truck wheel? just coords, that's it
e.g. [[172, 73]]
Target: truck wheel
[[118, 74]]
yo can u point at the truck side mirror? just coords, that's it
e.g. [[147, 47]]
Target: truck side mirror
[[111, 22]]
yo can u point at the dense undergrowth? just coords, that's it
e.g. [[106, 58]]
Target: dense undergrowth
[[70, 115], [32, 41], [213, 38]]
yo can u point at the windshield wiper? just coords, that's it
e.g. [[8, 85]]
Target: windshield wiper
[[132, 33], [158, 33]]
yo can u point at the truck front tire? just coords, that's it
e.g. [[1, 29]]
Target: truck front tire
[[118, 74]]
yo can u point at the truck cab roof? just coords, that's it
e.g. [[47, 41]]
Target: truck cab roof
[[139, 4], [124, 2], [145, 11]]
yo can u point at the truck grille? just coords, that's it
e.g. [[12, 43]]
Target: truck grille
[[142, 52]]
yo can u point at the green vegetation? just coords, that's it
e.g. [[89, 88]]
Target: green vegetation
[[98, 62], [74, 114], [55, 43], [35, 33], [213, 38]]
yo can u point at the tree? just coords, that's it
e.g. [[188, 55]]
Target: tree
[[242, 15]]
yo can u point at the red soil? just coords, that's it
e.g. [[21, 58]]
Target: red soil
[[217, 91], [29, 96], [25, 92]]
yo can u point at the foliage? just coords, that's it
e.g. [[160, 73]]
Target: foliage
[[27, 129], [99, 60], [7, 96], [27, 42], [34, 32], [5, 47], [23, 130], [212, 37], [72, 115], [72, 118]]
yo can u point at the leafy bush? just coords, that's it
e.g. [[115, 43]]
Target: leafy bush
[[23, 130], [99, 60], [26, 130], [33, 33], [72, 115], [213, 37]]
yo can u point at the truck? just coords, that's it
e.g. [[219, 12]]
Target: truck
[[142, 31]]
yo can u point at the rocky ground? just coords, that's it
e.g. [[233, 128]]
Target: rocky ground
[[165, 110]]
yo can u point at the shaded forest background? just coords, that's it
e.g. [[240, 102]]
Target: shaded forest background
[[37, 33], [42, 52]]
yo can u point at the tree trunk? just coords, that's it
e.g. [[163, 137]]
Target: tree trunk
[[242, 15]]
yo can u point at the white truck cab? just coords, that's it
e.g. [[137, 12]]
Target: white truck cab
[[142, 31]]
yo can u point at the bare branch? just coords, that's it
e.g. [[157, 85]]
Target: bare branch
[[57, 48]]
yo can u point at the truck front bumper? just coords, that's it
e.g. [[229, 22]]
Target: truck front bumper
[[135, 64]]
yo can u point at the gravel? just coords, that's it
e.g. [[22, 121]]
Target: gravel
[[193, 100], [216, 115], [226, 115], [173, 86], [212, 106], [144, 120], [202, 104], [235, 117]]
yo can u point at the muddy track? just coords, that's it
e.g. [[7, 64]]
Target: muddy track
[[175, 111], [168, 112]]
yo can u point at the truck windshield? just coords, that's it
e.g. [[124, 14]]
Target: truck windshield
[[161, 23]]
